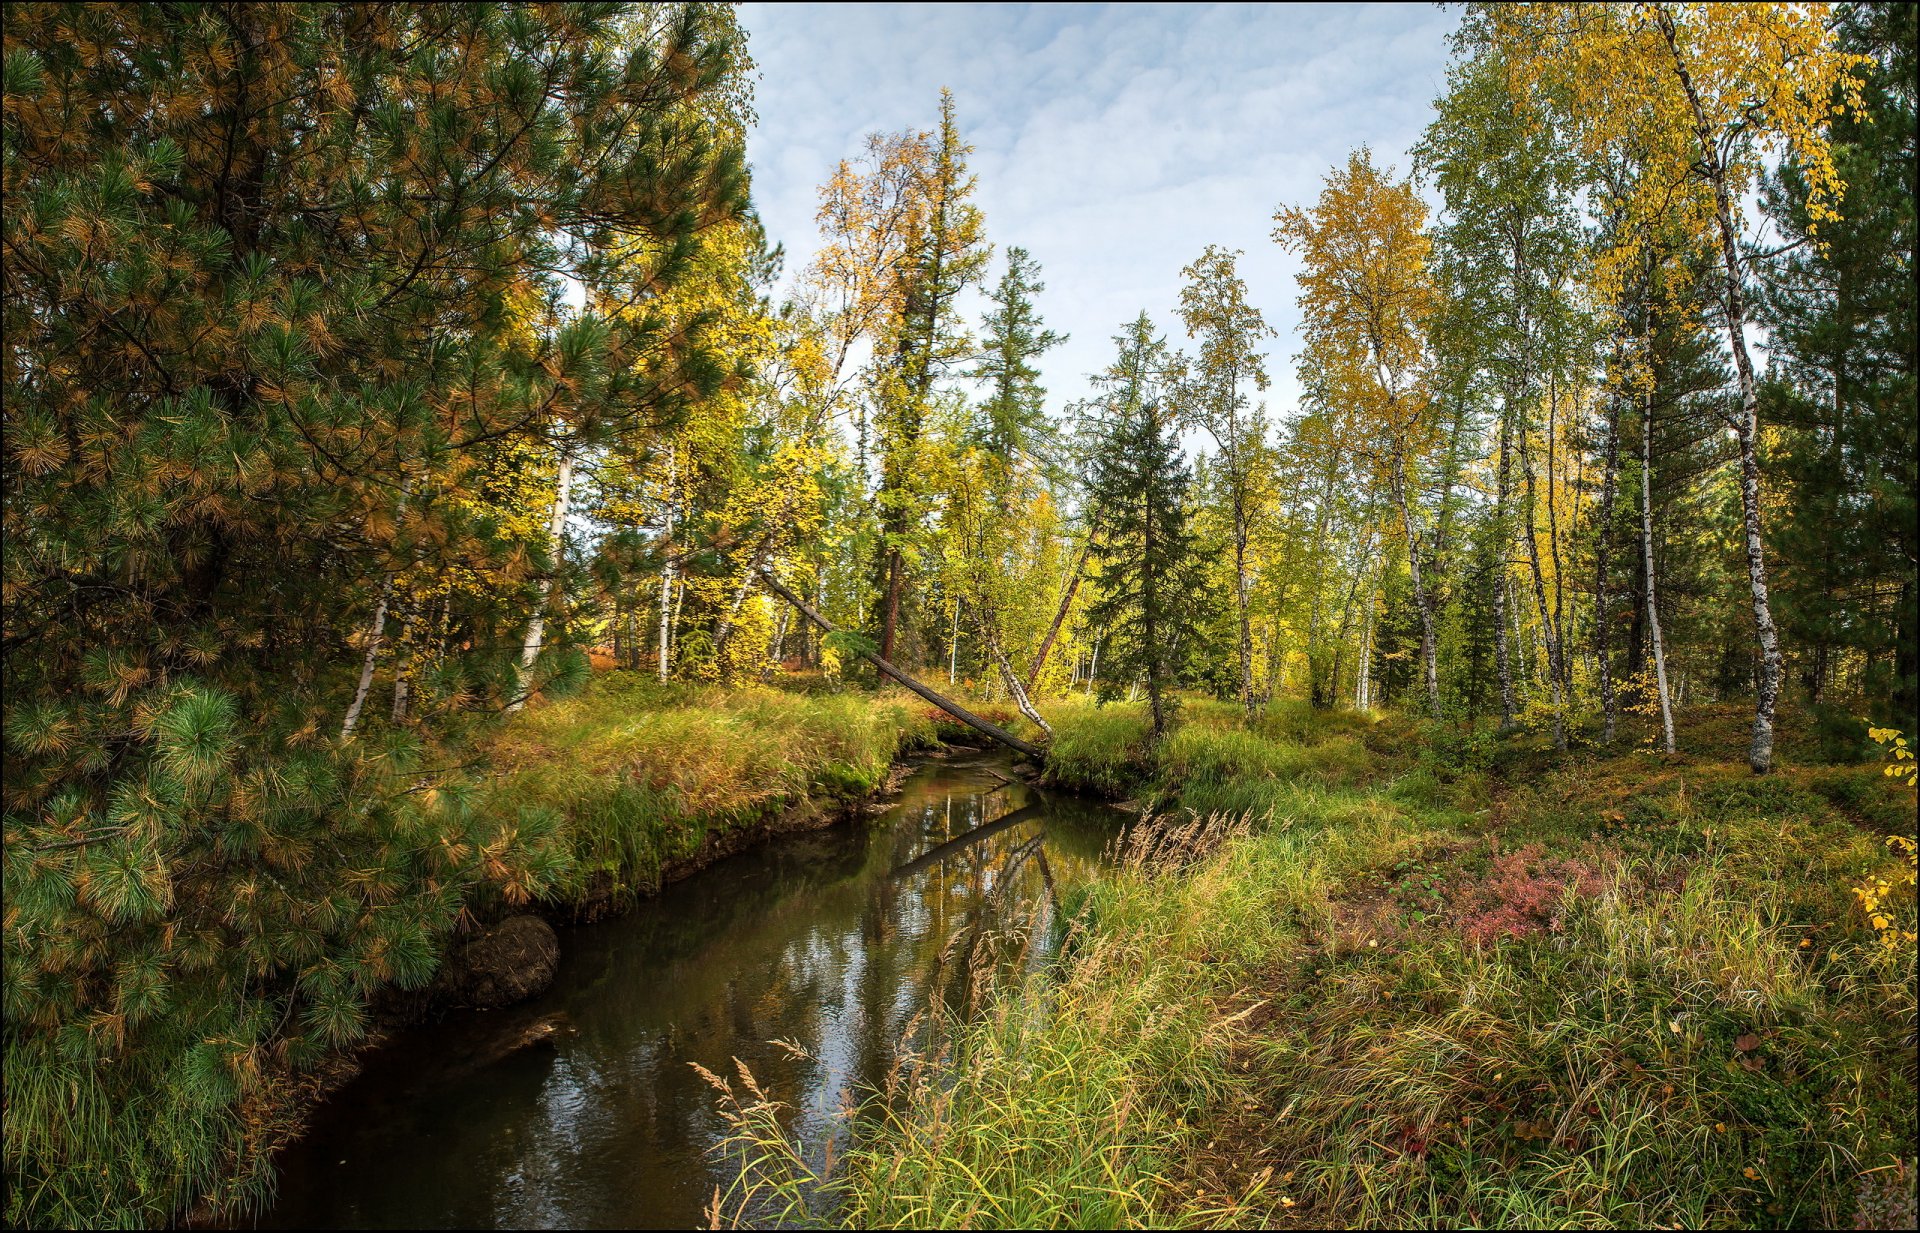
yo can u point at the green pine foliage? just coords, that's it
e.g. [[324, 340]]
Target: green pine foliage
[[281, 279], [1151, 590]]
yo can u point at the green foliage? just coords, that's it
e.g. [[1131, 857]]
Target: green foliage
[[1151, 593], [1841, 317], [282, 283], [1013, 421]]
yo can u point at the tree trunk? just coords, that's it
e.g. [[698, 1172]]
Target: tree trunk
[[990, 635], [1646, 551], [1553, 539], [402, 660], [953, 647], [556, 532], [376, 634], [1422, 596], [725, 627], [376, 630], [1149, 607], [1602, 617], [1066, 606], [1747, 430], [1555, 674], [1362, 698], [887, 669], [1240, 599], [1502, 652], [890, 607], [663, 663]]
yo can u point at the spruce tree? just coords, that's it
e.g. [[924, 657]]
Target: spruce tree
[[1147, 575], [1842, 394], [1012, 420]]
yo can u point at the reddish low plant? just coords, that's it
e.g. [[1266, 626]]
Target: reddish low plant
[[1522, 894]]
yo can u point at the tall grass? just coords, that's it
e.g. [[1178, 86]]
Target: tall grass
[[1680, 1020], [644, 774]]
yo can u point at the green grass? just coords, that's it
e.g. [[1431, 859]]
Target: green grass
[[569, 798], [642, 774], [1443, 985]]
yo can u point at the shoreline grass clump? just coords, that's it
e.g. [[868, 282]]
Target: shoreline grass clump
[[246, 947], [643, 774]]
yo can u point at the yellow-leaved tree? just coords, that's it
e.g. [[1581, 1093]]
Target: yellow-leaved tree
[[1706, 92], [1367, 295]]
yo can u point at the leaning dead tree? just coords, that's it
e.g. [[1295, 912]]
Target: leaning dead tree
[[952, 708]]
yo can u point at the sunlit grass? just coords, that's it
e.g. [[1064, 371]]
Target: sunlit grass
[[1689, 1026], [644, 773]]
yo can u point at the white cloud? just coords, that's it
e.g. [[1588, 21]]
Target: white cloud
[[1113, 142]]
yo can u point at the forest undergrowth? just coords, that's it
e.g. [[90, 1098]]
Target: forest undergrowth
[[1429, 979]]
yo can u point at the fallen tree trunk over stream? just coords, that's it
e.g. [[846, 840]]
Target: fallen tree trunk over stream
[[952, 708], [969, 838]]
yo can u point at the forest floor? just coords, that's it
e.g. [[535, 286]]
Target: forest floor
[[1438, 980]]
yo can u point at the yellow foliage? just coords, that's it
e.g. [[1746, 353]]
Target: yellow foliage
[[1887, 897], [1668, 82]]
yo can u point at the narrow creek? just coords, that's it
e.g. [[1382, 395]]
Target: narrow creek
[[831, 940]]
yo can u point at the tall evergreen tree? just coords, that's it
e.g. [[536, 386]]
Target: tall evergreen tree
[[1150, 589], [1012, 421], [1841, 317], [279, 279]]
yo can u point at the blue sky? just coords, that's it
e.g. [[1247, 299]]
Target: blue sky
[[1113, 142]]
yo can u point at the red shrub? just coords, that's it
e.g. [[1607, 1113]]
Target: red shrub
[[1521, 895]]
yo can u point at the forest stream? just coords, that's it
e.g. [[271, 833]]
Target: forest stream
[[831, 940]]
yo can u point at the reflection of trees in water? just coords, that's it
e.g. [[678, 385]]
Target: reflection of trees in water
[[837, 940]]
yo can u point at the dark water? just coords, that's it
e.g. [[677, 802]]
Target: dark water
[[831, 940]]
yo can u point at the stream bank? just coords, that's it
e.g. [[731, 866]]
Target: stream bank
[[581, 1106]]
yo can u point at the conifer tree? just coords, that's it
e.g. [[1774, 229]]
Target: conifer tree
[[1842, 394], [1150, 588], [281, 282], [1012, 421]]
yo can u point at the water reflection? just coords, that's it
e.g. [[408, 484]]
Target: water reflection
[[834, 940]]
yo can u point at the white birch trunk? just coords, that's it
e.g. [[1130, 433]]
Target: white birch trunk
[[556, 533]]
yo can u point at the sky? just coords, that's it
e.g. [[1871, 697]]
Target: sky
[[1113, 142]]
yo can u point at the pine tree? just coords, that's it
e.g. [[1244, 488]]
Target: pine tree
[[281, 285], [1150, 589], [1012, 422]]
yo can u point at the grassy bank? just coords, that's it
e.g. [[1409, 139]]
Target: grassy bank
[[1443, 982], [645, 775], [220, 1038]]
